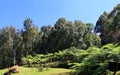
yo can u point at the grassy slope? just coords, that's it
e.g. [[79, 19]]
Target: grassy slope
[[34, 71]]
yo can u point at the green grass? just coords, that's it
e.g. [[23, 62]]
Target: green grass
[[34, 71]]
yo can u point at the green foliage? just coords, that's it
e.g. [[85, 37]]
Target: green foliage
[[108, 25], [16, 45], [97, 60], [31, 36], [91, 61], [10, 45], [65, 42], [66, 34]]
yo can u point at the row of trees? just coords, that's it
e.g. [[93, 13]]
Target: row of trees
[[18, 44], [15, 44]]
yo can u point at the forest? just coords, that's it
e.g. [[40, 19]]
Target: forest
[[89, 49]]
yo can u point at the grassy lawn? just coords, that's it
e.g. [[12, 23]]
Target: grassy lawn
[[34, 71]]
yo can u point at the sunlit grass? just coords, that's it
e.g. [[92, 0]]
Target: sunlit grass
[[34, 71]]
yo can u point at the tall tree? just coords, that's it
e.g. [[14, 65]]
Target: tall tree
[[108, 26], [31, 36], [9, 46]]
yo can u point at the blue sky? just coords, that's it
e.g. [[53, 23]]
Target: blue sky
[[47, 12]]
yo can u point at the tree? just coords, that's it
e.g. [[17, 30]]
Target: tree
[[17, 47], [10, 45], [108, 26], [31, 36]]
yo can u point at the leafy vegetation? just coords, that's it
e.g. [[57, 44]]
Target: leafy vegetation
[[93, 61], [16, 44], [88, 49], [108, 25]]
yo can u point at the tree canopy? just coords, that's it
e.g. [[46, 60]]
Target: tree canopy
[[108, 25], [73, 44]]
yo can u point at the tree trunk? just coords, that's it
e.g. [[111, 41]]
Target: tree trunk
[[14, 61], [114, 72], [116, 69]]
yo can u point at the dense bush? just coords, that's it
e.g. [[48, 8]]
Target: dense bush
[[93, 61], [99, 61]]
